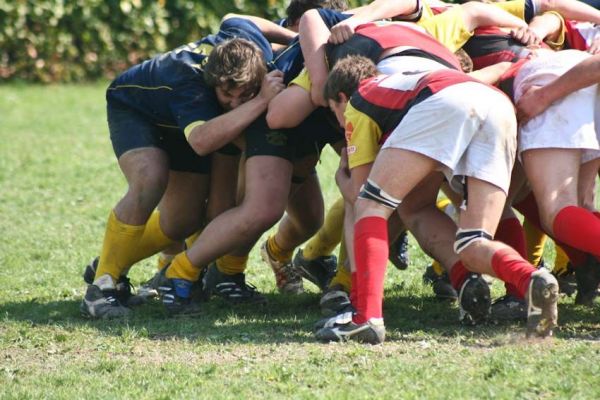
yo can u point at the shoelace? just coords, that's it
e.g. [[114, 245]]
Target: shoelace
[[111, 297], [124, 285], [290, 272]]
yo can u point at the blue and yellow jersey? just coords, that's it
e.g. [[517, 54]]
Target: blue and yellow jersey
[[170, 90], [291, 60]]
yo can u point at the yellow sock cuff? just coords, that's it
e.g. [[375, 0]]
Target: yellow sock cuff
[[561, 262], [342, 278], [327, 238], [164, 260], [535, 241], [182, 268], [437, 268], [120, 240], [191, 239], [276, 252], [231, 265]]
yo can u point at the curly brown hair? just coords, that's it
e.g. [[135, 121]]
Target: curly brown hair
[[235, 63]]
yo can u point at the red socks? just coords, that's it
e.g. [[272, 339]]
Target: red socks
[[578, 228], [528, 207], [511, 268], [458, 275], [371, 256], [510, 231]]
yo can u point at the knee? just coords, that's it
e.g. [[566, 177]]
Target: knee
[[181, 228], [256, 220], [146, 192], [478, 254], [470, 257]]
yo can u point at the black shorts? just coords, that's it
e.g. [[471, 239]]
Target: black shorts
[[306, 139], [131, 130]]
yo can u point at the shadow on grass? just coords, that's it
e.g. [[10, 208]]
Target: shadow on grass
[[290, 319]]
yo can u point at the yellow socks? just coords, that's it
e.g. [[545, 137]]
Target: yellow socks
[[560, 263], [342, 276], [277, 252], [120, 240], [327, 238], [231, 265], [191, 239], [152, 241], [182, 268], [164, 260], [535, 240], [437, 268]]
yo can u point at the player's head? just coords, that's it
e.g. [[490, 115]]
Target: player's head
[[298, 7], [343, 81], [466, 64], [235, 68]]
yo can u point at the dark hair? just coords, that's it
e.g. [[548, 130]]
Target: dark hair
[[298, 7], [346, 75], [235, 63]]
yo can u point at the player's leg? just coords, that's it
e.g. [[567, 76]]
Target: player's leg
[[481, 254], [304, 217], [371, 241], [146, 168]]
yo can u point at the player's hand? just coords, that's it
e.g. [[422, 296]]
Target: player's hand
[[342, 175], [526, 36], [530, 104], [343, 30], [271, 85], [595, 47]]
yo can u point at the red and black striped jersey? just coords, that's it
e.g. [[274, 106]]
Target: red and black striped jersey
[[373, 39]]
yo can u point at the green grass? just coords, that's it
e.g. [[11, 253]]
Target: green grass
[[59, 179]]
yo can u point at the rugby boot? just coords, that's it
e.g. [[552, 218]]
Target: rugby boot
[[232, 288], [288, 280], [542, 299], [587, 277], [509, 308], [318, 271], [442, 288], [176, 295], [398, 254], [474, 300], [343, 330], [100, 300]]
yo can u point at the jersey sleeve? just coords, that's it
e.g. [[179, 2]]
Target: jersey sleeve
[[243, 28], [302, 80], [362, 137], [448, 28], [192, 105], [332, 17]]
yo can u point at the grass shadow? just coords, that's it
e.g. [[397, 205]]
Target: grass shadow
[[290, 319]]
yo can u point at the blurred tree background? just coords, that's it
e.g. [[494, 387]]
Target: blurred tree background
[[76, 40]]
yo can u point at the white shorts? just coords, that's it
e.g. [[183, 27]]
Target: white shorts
[[572, 122], [469, 128]]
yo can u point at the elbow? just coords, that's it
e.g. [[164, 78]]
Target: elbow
[[546, 5], [277, 119], [201, 148], [229, 16]]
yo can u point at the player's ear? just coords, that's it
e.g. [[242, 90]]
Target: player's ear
[[342, 97]]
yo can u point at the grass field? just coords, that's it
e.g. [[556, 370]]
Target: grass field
[[59, 179]]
